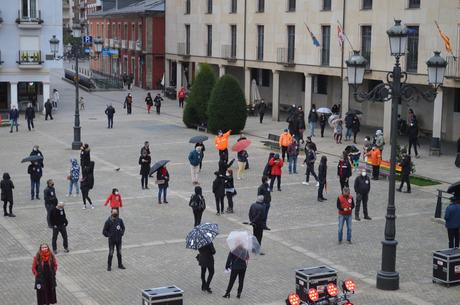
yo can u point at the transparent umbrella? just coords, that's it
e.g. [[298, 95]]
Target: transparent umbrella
[[242, 244]]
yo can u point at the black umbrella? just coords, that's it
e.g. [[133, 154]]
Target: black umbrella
[[198, 139], [455, 189], [354, 111], [201, 236], [32, 158], [157, 166]]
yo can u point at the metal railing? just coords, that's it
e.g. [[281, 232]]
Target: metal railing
[[453, 67], [106, 42], [138, 45], [183, 49], [285, 56], [132, 45], [124, 44], [107, 81], [30, 57], [111, 42], [229, 52], [439, 211], [35, 16]]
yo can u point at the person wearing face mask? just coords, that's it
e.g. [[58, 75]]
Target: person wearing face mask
[[194, 157], [312, 119], [51, 201], [115, 200], [44, 269], [229, 190], [59, 223], [345, 206], [36, 152], [264, 190], [114, 229], [362, 188], [276, 164], [35, 172], [144, 162], [412, 133]]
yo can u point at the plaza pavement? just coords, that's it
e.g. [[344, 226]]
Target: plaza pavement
[[304, 232]]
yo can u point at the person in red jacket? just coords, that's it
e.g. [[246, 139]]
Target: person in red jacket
[[276, 163], [181, 96], [345, 205], [115, 200], [44, 269]]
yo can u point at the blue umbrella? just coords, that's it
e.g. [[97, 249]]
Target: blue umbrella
[[201, 235]]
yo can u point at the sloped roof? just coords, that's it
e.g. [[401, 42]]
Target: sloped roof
[[143, 6]]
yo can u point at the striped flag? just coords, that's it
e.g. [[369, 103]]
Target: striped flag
[[313, 37], [340, 35], [445, 39]]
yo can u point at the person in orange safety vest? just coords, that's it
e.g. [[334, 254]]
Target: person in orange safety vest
[[221, 143]]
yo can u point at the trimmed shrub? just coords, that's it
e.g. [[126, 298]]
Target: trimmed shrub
[[227, 106], [197, 103]]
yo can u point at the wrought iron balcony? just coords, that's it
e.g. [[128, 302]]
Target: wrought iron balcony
[[124, 44], [453, 67], [139, 45], [183, 49], [229, 52], [29, 20], [285, 56], [132, 45], [30, 59]]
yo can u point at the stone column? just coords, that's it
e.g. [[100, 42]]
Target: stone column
[[435, 148], [221, 70], [167, 72], [387, 120], [308, 87], [276, 95], [179, 75], [197, 68], [346, 97], [14, 95], [46, 95], [247, 85]]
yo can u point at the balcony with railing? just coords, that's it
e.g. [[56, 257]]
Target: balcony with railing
[[285, 56], [111, 42], [124, 44], [106, 42], [229, 52], [132, 45], [139, 45], [30, 59], [116, 43], [31, 19], [183, 49], [453, 67]]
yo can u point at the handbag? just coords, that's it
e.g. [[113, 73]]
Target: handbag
[[159, 181], [68, 177], [38, 284]]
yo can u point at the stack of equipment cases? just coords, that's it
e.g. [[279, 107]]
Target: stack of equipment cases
[[446, 266], [315, 277], [170, 295]]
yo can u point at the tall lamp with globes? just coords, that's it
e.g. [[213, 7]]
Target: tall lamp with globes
[[394, 91], [75, 50]]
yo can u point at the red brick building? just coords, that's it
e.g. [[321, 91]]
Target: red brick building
[[134, 41]]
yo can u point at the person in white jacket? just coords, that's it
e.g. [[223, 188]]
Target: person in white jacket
[[56, 98]]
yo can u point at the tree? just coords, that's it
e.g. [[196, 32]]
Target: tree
[[227, 106], [197, 103]]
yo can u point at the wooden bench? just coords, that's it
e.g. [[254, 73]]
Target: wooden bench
[[385, 168], [273, 141]]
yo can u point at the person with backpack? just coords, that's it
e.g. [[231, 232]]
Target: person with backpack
[[344, 171], [149, 102], [181, 96], [310, 158], [198, 205], [268, 169], [110, 111], [157, 102], [194, 157]]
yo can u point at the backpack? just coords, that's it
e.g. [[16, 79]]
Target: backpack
[[197, 202]]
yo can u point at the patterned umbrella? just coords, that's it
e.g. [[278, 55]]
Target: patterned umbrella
[[201, 236]]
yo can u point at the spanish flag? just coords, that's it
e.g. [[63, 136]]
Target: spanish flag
[[446, 40]]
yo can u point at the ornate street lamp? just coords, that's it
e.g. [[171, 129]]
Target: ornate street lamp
[[394, 91]]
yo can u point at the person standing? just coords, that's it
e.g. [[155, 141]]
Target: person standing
[[148, 102], [48, 110], [128, 103], [221, 143], [163, 183], [344, 171], [206, 261], [14, 116], [256, 218], [242, 157], [412, 133], [292, 154], [74, 177], [264, 190], [238, 266], [322, 178], [56, 98], [44, 269], [379, 140], [300, 124], [145, 148], [81, 102], [202, 149], [349, 124], [284, 142], [59, 223], [322, 123], [345, 206], [30, 116], [85, 155], [36, 152], [114, 229], [198, 205], [362, 188], [110, 111], [115, 200], [144, 161], [229, 190], [157, 101], [6, 187], [374, 158], [181, 96], [312, 120], [87, 183], [35, 172], [261, 109], [276, 164], [194, 157], [310, 159], [218, 188], [338, 130], [355, 127], [406, 168], [452, 218], [51, 201]]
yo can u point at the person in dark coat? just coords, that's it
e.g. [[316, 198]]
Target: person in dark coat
[[344, 171], [300, 124], [44, 269], [335, 109], [114, 229], [145, 148], [223, 165], [14, 116], [149, 102], [110, 111], [206, 261], [457, 160], [362, 188], [35, 172], [85, 155], [144, 161], [218, 188], [229, 190], [6, 187], [264, 190], [48, 110], [452, 218], [201, 152], [322, 177], [261, 108], [312, 120], [355, 127], [322, 123], [406, 168], [310, 159], [59, 223], [128, 103], [163, 183], [257, 217], [238, 266], [157, 101], [51, 201], [30, 116], [349, 124], [36, 152], [87, 183], [198, 205], [412, 133], [292, 154]]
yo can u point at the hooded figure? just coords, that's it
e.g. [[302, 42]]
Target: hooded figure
[[74, 176], [7, 186], [198, 205]]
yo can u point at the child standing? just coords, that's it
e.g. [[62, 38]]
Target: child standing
[[74, 177], [115, 200]]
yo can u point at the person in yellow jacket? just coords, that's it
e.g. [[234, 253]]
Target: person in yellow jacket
[[374, 158], [284, 141], [221, 143]]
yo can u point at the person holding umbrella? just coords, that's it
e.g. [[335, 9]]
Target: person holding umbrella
[[163, 183], [198, 141], [206, 261], [221, 143], [198, 205], [242, 155], [452, 215], [202, 149]]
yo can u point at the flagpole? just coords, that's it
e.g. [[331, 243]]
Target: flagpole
[[343, 55]]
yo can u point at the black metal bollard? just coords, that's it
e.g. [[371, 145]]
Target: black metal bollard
[[438, 211]]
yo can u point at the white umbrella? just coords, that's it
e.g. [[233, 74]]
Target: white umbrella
[[242, 244], [332, 118], [324, 110], [255, 94]]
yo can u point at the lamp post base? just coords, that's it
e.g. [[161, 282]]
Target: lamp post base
[[389, 279], [76, 144], [435, 147]]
